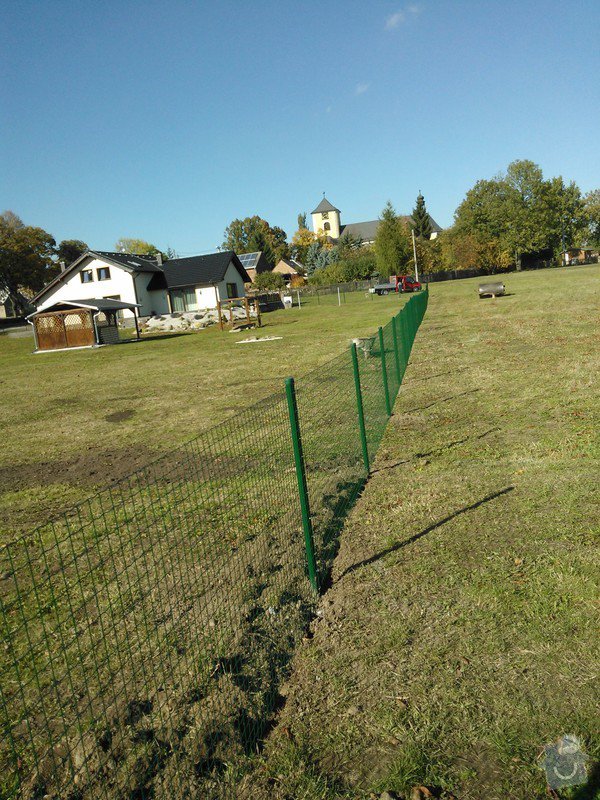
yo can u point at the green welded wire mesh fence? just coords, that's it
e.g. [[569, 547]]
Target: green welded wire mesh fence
[[147, 630]]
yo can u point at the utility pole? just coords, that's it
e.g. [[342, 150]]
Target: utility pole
[[415, 256]]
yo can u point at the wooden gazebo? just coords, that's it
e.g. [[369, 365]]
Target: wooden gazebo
[[79, 323]]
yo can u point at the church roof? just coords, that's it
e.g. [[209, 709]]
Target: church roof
[[324, 205], [368, 230], [362, 230]]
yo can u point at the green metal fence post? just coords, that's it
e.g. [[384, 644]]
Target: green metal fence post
[[290, 391], [360, 409], [396, 351], [386, 390]]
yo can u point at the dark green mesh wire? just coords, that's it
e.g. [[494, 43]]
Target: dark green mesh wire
[[147, 630]]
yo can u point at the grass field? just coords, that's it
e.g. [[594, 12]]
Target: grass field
[[72, 422], [460, 633], [146, 631]]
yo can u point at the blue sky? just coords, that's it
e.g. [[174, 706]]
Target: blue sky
[[166, 120]]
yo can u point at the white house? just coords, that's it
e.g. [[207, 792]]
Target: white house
[[181, 284]]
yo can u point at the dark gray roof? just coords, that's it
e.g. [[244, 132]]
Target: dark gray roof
[[324, 205], [363, 230], [93, 303], [197, 270], [368, 230], [129, 260]]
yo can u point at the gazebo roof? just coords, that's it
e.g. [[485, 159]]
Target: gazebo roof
[[93, 304]]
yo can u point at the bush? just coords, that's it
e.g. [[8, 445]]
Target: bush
[[270, 281], [355, 267]]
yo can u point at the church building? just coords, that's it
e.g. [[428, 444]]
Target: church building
[[326, 218]]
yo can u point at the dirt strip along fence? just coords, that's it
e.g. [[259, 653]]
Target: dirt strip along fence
[[147, 630]]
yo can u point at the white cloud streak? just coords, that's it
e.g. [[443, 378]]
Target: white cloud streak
[[396, 19], [361, 88]]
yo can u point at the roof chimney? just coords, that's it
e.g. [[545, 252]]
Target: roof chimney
[[159, 259], [63, 266]]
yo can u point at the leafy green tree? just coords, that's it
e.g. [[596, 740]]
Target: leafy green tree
[[251, 234], [302, 221], [421, 223], [353, 268], [270, 281], [136, 247], [592, 216], [69, 250], [26, 259], [393, 250], [522, 212], [301, 241]]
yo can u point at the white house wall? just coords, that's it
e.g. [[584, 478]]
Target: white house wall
[[205, 297], [231, 276], [119, 284], [155, 302]]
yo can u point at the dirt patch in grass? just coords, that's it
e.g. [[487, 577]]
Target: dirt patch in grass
[[120, 416], [91, 471]]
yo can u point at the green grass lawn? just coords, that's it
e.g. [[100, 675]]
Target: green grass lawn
[[74, 421], [460, 633]]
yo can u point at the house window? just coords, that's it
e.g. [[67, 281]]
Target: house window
[[232, 290], [184, 299], [87, 276], [103, 273], [326, 226]]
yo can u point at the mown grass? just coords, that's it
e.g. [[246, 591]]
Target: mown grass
[[460, 634], [74, 421]]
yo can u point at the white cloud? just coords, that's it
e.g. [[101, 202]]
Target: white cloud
[[394, 20], [361, 88]]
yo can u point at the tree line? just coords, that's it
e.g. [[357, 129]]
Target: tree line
[[500, 220]]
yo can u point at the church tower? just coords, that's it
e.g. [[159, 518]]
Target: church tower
[[326, 219]]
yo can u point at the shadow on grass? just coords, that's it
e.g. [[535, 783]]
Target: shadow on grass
[[440, 400], [436, 452], [430, 529], [344, 498], [430, 377], [591, 790]]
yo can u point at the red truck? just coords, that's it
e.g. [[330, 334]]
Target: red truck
[[397, 283]]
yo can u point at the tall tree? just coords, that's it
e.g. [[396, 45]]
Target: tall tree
[[302, 221], [301, 241], [392, 246], [592, 217], [421, 223], [69, 250], [522, 212], [254, 233], [136, 247], [26, 254]]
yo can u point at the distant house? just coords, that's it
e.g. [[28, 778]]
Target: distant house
[[289, 267], [326, 219], [254, 264], [145, 283], [582, 254]]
